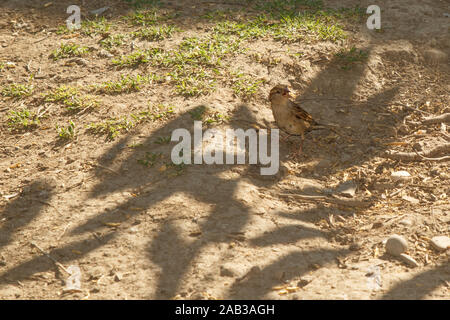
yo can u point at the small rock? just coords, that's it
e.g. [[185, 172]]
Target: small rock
[[347, 188], [396, 245], [401, 176], [118, 276], [406, 222], [408, 260], [133, 229], [105, 54], [440, 243]]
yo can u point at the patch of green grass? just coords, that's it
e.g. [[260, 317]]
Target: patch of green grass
[[197, 113], [66, 133], [293, 27], [112, 41], [348, 57], [16, 90], [135, 58], [148, 17], [63, 30], [244, 86], [22, 120], [207, 115], [266, 60], [71, 98], [2, 66], [302, 26], [150, 159], [67, 50], [156, 33], [126, 84], [255, 28], [174, 170], [163, 140], [153, 113], [111, 127], [190, 82], [135, 145], [96, 26], [193, 67]]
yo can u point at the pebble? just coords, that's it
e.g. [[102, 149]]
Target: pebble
[[396, 245], [347, 188], [406, 222], [440, 243], [118, 276], [401, 176], [409, 260]]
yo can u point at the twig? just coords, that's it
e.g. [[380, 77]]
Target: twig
[[50, 257], [432, 159], [415, 156], [335, 200], [445, 117], [410, 108], [103, 167], [64, 231], [39, 40]]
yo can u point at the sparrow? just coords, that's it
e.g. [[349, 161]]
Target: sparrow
[[289, 116]]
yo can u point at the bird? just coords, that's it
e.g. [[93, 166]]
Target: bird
[[289, 116]]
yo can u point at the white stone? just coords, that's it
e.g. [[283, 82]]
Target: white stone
[[409, 260], [440, 243], [396, 245], [401, 176]]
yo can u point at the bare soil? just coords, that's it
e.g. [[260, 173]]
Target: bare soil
[[224, 231]]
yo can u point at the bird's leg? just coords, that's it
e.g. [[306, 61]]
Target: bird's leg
[[300, 149], [284, 139]]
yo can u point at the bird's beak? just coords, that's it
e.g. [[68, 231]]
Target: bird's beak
[[286, 93]]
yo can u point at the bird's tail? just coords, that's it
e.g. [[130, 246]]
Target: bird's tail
[[321, 126]]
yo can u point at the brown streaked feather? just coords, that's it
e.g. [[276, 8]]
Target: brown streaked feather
[[304, 116]]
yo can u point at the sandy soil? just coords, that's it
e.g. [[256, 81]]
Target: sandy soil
[[225, 231]]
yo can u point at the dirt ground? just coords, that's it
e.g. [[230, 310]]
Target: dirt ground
[[150, 230]]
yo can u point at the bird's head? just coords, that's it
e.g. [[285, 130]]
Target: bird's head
[[279, 92]]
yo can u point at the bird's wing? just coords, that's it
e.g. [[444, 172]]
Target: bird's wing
[[301, 114]]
